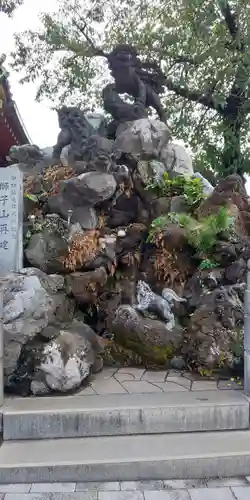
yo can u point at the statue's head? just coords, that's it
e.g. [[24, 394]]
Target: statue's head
[[123, 57], [67, 115]]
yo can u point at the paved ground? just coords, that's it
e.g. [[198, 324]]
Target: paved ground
[[210, 489], [137, 380]]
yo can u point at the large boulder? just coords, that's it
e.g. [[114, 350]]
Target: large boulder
[[149, 338], [83, 214], [176, 159], [32, 300], [57, 360], [229, 191], [90, 188], [142, 137], [214, 328], [231, 194], [48, 248], [44, 251]]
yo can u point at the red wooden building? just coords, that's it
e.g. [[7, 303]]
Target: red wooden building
[[12, 130]]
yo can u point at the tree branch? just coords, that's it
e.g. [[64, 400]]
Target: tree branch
[[232, 26], [206, 100], [96, 50], [178, 58]]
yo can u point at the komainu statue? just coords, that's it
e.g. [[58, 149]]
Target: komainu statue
[[75, 132], [142, 81]]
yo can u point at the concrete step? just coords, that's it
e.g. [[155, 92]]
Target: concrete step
[[124, 414], [127, 458]]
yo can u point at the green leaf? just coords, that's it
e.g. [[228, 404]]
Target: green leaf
[[31, 197]]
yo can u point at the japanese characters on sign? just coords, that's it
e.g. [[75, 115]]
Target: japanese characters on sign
[[11, 217]]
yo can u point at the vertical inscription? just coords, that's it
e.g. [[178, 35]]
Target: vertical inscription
[[11, 219]]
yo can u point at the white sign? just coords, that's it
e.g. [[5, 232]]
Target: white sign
[[11, 219]]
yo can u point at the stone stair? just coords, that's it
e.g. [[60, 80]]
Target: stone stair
[[125, 437]]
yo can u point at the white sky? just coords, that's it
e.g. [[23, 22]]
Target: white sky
[[39, 120]]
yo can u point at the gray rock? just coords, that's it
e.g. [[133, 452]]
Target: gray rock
[[90, 188], [63, 364], [235, 273], [142, 137], [176, 159], [160, 206], [85, 216], [179, 205], [178, 363], [147, 337], [207, 186], [44, 251], [151, 170], [32, 300], [57, 360], [58, 204]]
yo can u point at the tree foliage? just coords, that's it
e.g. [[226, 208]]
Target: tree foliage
[[203, 47], [8, 6]]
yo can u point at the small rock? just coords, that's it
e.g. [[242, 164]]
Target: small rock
[[121, 233], [178, 363]]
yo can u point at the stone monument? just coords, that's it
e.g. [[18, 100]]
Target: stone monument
[[11, 219]]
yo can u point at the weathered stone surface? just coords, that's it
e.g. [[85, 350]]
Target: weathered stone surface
[[178, 204], [150, 170], [160, 206], [206, 185], [142, 137], [85, 286], [85, 216], [235, 273], [214, 328], [90, 188], [44, 251], [147, 337], [63, 364], [58, 204], [125, 211], [57, 363], [82, 214], [32, 300], [176, 159], [229, 191]]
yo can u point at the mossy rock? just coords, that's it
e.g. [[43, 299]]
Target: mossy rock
[[148, 338], [119, 356]]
